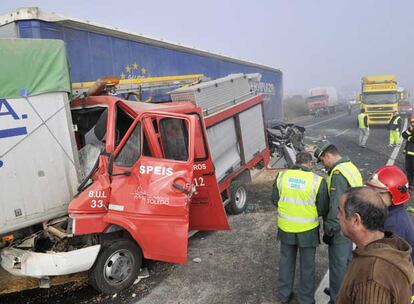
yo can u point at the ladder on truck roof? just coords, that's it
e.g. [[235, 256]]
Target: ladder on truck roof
[[217, 95], [111, 85]]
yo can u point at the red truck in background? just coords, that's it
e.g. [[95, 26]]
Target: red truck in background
[[405, 108], [156, 172], [322, 100]]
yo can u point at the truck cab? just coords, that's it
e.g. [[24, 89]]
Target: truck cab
[[154, 181], [379, 98], [322, 100]]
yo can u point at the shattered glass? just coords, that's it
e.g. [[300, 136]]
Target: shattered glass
[[88, 156]]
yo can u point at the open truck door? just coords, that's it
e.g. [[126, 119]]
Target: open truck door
[[207, 210], [152, 184]]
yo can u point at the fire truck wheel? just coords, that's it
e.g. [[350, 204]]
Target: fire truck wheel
[[238, 201], [116, 267]]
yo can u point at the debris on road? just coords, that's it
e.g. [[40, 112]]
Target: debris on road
[[143, 274]]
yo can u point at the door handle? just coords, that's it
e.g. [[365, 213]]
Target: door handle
[[181, 188]]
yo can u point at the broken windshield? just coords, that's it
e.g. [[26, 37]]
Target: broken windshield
[[88, 156]]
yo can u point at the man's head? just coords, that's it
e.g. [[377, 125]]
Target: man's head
[[362, 110], [361, 213], [327, 154], [304, 159]]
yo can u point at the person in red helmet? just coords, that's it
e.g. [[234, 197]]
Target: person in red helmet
[[392, 184]]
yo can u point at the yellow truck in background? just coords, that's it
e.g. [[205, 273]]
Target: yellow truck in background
[[379, 98]]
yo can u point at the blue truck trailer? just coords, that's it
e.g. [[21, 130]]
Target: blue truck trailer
[[95, 51]]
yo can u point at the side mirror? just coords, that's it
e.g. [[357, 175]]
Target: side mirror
[[111, 164]]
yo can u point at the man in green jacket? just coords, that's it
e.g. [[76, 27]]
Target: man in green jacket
[[342, 175], [300, 196]]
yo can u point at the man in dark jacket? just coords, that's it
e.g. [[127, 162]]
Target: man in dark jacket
[[381, 271], [408, 135], [392, 185], [395, 126], [300, 196]]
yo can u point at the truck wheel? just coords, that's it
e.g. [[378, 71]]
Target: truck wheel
[[238, 200], [116, 267]]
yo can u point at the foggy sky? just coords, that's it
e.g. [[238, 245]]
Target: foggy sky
[[314, 42]]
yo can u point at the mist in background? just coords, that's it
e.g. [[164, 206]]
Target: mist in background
[[314, 43]]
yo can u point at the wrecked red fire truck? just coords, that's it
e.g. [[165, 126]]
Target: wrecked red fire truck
[[107, 182]]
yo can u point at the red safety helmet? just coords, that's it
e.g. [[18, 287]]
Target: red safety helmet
[[393, 180]]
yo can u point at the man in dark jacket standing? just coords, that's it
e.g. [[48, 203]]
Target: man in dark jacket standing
[[395, 127], [408, 135], [300, 196], [381, 271], [343, 174], [392, 185]]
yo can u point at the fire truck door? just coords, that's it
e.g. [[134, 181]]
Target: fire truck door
[[152, 184], [206, 209]]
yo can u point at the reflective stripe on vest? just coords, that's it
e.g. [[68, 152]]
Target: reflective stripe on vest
[[361, 123], [409, 152], [297, 211], [395, 122], [350, 172]]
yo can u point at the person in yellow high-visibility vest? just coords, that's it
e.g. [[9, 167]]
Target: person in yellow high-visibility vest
[[300, 196], [342, 175], [363, 128], [394, 127]]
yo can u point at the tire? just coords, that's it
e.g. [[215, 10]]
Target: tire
[[238, 199], [116, 267]]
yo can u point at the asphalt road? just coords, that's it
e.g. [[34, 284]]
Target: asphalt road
[[239, 266]]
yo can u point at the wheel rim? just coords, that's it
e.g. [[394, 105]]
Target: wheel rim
[[240, 197], [118, 267]]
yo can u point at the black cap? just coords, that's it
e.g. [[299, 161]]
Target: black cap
[[320, 148]]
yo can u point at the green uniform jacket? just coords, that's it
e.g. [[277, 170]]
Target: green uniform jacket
[[309, 238], [339, 185]]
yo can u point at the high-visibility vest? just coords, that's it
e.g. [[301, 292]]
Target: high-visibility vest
[[350, 172], [394, 122], [361, 123], [297, 211]]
